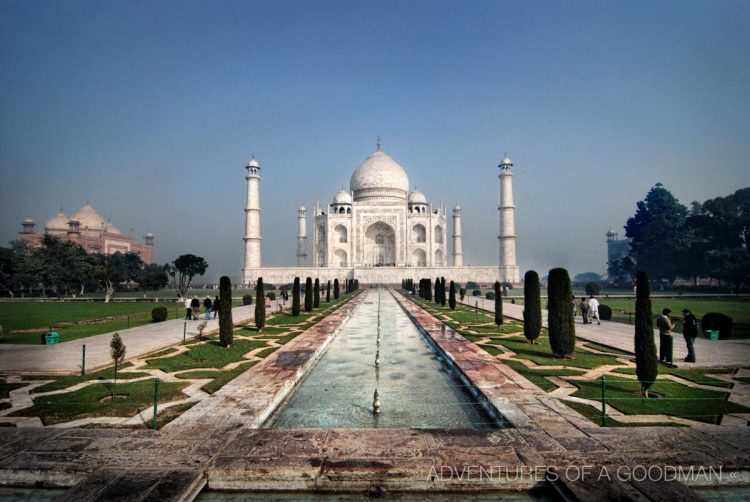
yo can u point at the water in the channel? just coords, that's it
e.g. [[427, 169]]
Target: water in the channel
[[416, 389]]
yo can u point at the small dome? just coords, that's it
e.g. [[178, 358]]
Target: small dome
[[149, 234], [417, 197], [611, 232], [379, 176], [253, 163], [457, 208], [57, 222], [28, 221], [342, 197], [88, 218], [506, 161]]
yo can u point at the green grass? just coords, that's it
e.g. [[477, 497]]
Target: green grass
[[28, 315], [5, 388], [87, 402], [165, 416], [536, 376], [541, 354], [700, 376], [743, 379], [267, 331], [63, 382], [219, 378], [678, 400], [266, 352], [205, 355], [594, 414], [604, 348]]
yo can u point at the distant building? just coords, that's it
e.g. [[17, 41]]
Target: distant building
[[89, 230], [617, 249]]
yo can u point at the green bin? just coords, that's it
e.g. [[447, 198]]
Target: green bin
[[51, 338], [711, 335]]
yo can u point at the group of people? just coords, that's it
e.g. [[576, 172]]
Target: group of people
[[193, 308], [589, 309], [666, 324]]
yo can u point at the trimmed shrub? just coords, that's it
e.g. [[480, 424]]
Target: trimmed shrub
[[247, 299], [646, 365], [476, 292], [428, 290], [260, 306], [562, 335], [489, 295], [159, 314], [452, 296], [226, 326], [532, 306], [316, 293], [605, 312], [295, 297], [271, 296], [328, 292], [472, 285], [308, 295], [592, 288], [462, 293], [498, 305], [716, 321], [443, 295], [336, 289]]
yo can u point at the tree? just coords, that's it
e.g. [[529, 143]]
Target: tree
[[109, 270], [336, 289], [153, 277], [498, 304], [437, 290], [296, 295], [183, 269], [462, 293], [621, 271], [452, 296], [308, 295], [532, 306], [658, 233], [562, 336], [117, 351], [428, 289], [260, 306], [328, 292], [646, 365], [316, 293], [226, 325], [587, 277], [592, 288], [443, 298]]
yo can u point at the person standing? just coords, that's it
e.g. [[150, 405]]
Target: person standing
[[689, 331], [195, 304], [594, 310], [574, 306], [188, 310], [585, 310], [665, 325], [207, 307]]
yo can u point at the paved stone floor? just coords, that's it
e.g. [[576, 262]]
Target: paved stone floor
[[219, 443]]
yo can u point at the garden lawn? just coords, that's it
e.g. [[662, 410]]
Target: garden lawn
[[678, 400], [87, 402], [700, 376], [219, 378], [537, 376], [205, 355], [63, 382], [5, 388], [28, 315], [595, 415], [541, 354]]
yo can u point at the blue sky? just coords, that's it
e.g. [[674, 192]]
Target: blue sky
[[151, 110]]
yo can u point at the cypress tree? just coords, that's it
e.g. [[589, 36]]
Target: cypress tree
[[328, 292], [443, 296], [260, 305], [428, 289], [452, 296], [226, 326], [336, 289], [646, 366], [308, 295], [562, 335], [316, 294], [532, 306], [295, 297], [437, 290], [498, 305]]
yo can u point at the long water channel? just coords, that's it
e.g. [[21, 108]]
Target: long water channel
[[415, 388]]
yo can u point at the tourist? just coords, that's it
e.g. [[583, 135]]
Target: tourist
[[195, 304], [188, 310], [689, 331], [575, 307], [594, 310], [665, 325], [585, 310], [216, 306], [207, 307]]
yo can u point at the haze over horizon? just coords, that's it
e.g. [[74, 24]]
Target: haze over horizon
[[151, 111]]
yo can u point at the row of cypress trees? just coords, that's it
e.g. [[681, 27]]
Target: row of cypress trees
[[313, 300]]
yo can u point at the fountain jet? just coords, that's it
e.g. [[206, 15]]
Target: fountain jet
[[376, 403]]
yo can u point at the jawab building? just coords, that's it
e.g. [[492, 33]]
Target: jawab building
[[380, 232]]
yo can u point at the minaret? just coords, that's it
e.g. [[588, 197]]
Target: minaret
[[252, 220], [301, 237], [458, 253], [508, 267]]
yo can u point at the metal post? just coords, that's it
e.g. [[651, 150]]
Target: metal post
[[156, 401], [83, 359], [604, 402], [184, 331]]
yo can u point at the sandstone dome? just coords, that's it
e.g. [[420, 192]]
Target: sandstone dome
[[57, 223], [89, 218], [379, 177]]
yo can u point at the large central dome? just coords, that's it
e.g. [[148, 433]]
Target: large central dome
[[379, 177]]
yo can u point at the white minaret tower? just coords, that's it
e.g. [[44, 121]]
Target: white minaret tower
[[458, 253], [301, 237], [252, 220], [508, 267]]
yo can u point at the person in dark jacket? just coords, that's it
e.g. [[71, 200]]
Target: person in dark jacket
[[216, 306], [689, 331], [207, 307], [195, 304], [665, 325]]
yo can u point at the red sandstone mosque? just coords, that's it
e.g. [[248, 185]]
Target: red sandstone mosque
[[88, 228]]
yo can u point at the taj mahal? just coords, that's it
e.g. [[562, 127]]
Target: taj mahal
[[380, 232]]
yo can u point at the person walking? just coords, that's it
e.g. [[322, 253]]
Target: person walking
[[594, 310], [188, 309], [665, 325], [207, 307], [195, 303], [585, 310], [574, 305], [689, 331], [216, 306]]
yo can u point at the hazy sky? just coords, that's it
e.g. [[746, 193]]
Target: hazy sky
[[151, 110]]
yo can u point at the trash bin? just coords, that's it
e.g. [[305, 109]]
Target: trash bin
[[711, 335], [51, 338]]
